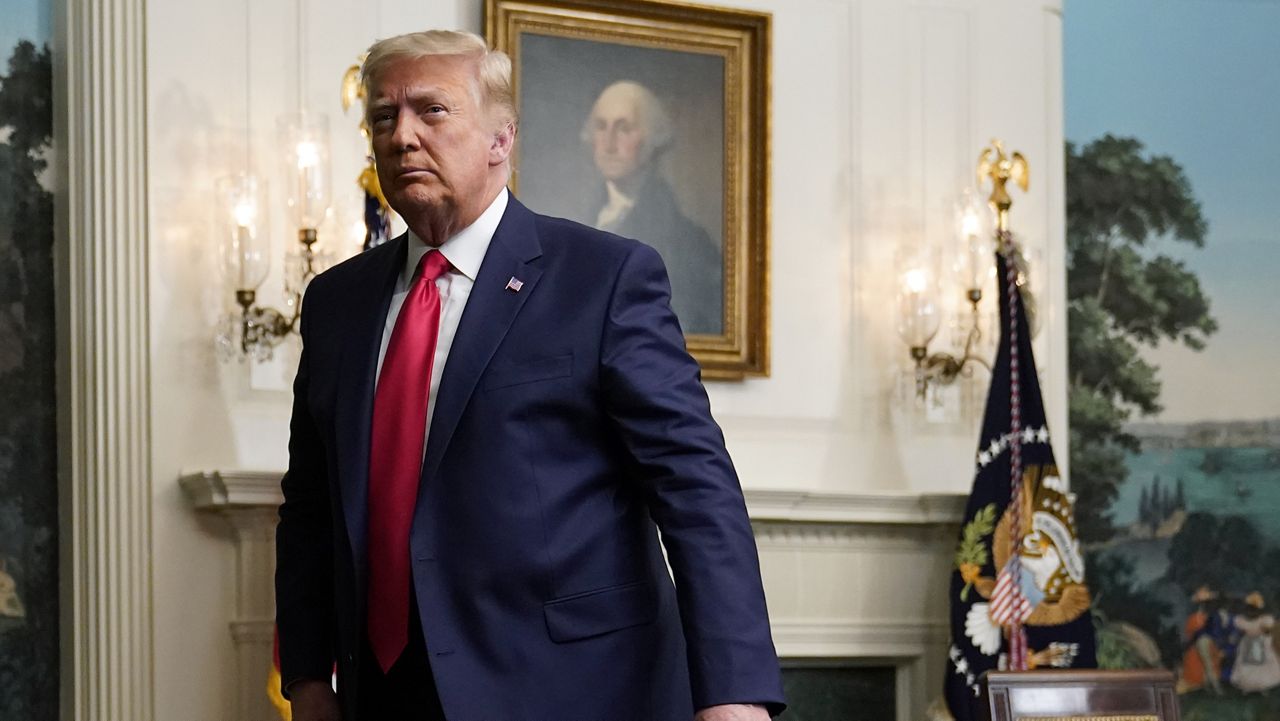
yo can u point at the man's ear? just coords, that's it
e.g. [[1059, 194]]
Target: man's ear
[[504, 141]]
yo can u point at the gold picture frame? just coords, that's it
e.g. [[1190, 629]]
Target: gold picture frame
[[696, 80]]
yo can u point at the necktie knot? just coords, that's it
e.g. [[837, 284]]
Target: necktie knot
[[433, 265]]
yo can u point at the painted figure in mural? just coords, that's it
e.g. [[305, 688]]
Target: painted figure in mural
[[10, 603], [1256, 666], [1221, 628], [1201, 659], [628, 131]]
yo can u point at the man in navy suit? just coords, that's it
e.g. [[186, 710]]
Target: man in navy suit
[[494, 415]]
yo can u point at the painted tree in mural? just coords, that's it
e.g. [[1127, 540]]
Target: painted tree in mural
[[1123, 208], [28, 488], [1123, 292]]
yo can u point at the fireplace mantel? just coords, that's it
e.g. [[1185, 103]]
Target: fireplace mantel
[[220, 490], [856, 578]]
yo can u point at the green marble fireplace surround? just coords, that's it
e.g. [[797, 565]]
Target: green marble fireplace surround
[[833, 690]]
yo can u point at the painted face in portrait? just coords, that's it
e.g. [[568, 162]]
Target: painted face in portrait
[[434, 142], [626, 126], [618, 140]]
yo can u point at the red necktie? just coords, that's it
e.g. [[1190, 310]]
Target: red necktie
[[395, 460]]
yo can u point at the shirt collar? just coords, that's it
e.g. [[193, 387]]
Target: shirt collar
[[465, 250]]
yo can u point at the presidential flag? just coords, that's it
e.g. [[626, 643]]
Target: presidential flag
[[1018, 594]]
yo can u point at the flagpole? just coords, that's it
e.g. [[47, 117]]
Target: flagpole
[[993, 163], [1015, 604]]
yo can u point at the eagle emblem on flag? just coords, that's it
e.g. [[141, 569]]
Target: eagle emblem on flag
[[1049, 587]]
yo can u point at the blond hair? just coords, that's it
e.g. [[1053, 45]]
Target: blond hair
[[494, 87]]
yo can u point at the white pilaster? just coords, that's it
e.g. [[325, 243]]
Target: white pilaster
[[104, 399]]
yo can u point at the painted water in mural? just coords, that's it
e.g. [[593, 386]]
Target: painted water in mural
[[1173, 238], [1194, 565], [28, 481]]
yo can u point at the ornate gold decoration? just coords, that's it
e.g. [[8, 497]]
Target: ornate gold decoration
[[1001, 168], [353, 92], [1066, 599]]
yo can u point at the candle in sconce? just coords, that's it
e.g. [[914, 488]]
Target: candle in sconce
[[308, 155], [974, 261], [244, 215], [242, 228]]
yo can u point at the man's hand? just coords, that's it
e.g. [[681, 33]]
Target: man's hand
[[315, 701], [731, 712]]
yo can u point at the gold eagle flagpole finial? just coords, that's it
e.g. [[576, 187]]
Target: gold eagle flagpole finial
[[1000, 168], [377, 212], [993, 163]]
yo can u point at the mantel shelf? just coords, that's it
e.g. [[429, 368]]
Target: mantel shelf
[[855, 508], [227, 490]]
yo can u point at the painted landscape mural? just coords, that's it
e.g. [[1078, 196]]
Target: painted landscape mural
[[28, 473], [1173, 233]]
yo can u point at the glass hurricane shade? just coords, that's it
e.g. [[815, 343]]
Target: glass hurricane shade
[[975, 260], [919, 314], [242, 222], [305, 139]]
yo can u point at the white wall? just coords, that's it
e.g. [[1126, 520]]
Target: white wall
[[879, 110]]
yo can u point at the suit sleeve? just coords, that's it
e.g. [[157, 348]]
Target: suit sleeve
[[655, 396], [304, 545]]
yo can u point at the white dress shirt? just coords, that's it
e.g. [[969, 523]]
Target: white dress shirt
[[464, 251]]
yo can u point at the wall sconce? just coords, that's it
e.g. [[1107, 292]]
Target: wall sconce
[[245, 246], [243, 223], [926, 296]]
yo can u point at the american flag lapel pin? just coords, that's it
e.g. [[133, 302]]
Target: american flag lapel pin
[[515, 284]]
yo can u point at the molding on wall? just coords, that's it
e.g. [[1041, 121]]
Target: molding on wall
[[843, 537], [888, 508], [104, 369], [892, 640], [223, 489], [208, 490]]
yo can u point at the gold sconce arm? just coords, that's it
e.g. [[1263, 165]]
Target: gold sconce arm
[[945, 368]]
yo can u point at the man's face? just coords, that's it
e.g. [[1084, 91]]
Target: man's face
[[618, 137], [432, 140]]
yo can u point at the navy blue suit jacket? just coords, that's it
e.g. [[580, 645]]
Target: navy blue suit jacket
[[570, 426]]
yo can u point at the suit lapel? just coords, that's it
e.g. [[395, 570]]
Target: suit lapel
[[491, 309], [371, 298]]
